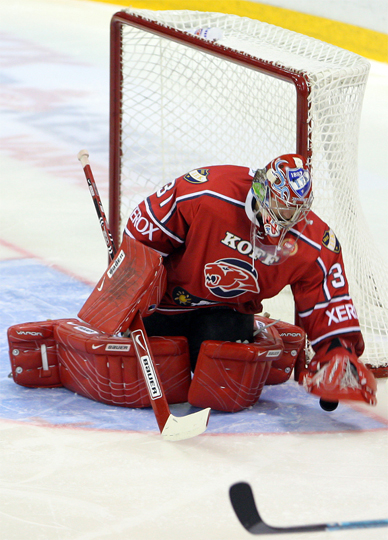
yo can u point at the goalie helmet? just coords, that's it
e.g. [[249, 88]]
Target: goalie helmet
[[281, 198]]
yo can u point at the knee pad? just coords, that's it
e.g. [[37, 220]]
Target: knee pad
[[230, 376]]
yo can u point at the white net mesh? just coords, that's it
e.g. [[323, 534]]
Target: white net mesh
[[183, 108]]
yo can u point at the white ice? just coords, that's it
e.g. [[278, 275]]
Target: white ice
[[72, 483]]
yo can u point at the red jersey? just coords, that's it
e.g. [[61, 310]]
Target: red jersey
[[200, 224]]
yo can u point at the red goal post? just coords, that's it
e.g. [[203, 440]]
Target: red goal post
[[180, 101], [300, 81]]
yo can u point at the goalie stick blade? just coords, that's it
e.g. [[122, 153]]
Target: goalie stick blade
[[178, 428], [243, 502]]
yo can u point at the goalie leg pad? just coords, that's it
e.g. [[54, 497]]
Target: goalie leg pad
[[105, 368], [230, 376], [33, 354], [70, 353], [294, 348]]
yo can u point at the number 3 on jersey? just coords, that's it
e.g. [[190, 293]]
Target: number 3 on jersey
[[338, 280]]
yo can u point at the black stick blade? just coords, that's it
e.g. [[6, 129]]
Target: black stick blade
[[241, 497], [243, 502]]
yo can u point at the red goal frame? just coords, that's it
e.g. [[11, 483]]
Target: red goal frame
[[300, 81]]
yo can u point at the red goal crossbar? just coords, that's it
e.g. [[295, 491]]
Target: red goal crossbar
[[120, 19]]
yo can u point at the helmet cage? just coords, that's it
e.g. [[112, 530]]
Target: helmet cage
[[282, 197], [277, 208]]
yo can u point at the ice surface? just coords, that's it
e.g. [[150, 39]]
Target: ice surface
[[79, 470]]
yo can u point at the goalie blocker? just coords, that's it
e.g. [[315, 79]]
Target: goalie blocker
[[229, 376], [135, 281]]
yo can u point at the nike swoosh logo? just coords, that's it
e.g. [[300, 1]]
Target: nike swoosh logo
[[101, 286], [138, 340], [97, 346]]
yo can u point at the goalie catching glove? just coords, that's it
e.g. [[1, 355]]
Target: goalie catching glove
[[335, 373]]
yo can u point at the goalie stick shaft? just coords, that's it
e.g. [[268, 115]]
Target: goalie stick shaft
[[243, 502], [171, 427], [83, 157]]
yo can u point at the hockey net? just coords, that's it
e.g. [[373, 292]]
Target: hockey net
[[180, 101]]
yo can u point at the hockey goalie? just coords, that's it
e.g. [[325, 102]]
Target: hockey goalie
[[196, 261]]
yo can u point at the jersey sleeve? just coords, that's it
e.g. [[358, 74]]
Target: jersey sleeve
[[324, 306], [159, 221]]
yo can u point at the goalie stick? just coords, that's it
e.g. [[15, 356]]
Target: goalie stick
[[172, 428], [243, 502], [83, 156]]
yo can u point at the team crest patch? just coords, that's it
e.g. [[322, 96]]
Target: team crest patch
[[228, 278], [184, 298], [197, 176], [331, 241], [300, 181]]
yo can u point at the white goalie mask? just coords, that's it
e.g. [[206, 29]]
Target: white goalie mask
[[281, 197]]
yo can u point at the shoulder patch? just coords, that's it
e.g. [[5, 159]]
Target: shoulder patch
[[330, 241], [197, 176]]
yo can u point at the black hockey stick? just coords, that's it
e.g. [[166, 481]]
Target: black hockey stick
[[243, 502]]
